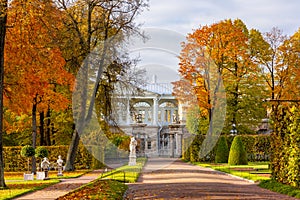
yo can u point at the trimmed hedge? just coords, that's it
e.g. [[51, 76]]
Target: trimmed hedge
[[286, 146], [222, 151], [237, 153], [258, 147], [15, 162]]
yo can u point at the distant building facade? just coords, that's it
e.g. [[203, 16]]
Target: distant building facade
[[147, 117]]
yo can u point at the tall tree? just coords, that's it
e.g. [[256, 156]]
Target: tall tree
[[3, 19], [34, 63], [98, 27], [224, 45]]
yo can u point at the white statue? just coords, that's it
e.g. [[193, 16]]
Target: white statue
[[132, 155], [59, 166], [45, 164], [132, 145], [45, 167], [59, 161]]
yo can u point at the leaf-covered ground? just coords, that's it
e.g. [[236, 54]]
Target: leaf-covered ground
[[98, 189]]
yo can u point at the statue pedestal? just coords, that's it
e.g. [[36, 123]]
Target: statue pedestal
[[59, 173], [132, 160], [46, 174]]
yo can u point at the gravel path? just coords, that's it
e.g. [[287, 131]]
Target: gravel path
[[179, 180]]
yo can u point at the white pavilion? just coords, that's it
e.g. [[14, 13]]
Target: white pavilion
[[148, 118]]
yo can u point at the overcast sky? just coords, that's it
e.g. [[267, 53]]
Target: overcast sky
[[183, 16]]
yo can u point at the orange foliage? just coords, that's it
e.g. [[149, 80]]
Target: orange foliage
[[288, 69], [34, 66], [223, 45]]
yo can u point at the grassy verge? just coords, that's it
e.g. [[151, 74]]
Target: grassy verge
[[110, 185], [255, 171], [280, 188], [126, 174], [52, 174], [17, 188]]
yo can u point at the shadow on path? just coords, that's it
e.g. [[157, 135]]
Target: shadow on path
[[179, 180]]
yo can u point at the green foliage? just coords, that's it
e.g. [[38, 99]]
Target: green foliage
[[27, 151], [285, 146], [237, 153], [257, 147], [41, 152], [14, 161], [195, 148], [196, 121], [222, 151], [261, 148], [280, 188]]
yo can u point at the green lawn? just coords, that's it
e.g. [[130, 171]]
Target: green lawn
[[255, 171], [52, 174], [17, 186], [128, 174]]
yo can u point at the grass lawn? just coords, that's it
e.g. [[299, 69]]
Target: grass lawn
[[110, 186], [126, 174], [17, 186], [255, 171], [52, 174]]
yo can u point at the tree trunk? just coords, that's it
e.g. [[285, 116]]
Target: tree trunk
[[53, 131], [3, 17], [34, 128], [72, 152], [42, 135], [48, 130]]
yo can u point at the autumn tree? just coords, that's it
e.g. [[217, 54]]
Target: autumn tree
[[3, 19], [223, 49], [98, 27], [34, 63], [284, 104]]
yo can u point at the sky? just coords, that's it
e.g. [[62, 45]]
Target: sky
[[167, 22]]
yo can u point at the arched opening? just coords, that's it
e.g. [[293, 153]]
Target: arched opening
[[143, 109], [166, 112]]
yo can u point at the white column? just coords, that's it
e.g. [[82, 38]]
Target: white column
[[128, 112], [155, 111]]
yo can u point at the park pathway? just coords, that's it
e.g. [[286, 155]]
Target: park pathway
[[62, 188], [163, 179]]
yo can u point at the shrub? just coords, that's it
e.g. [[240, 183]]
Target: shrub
[[41, 152], [27, 151], [237, 154], [222, 151]]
